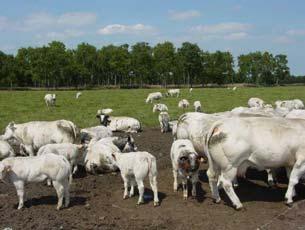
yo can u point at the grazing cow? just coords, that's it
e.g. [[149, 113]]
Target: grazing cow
[[296, 114], [125, 124], [234, 88], [197, 106], [290, 104], [185, 162], [183, 104], [173, 92], [234, 144], [134, 167], [190, 90], [78, 94], [20, 170], [6, 150], [96, 132], [50, 99], [35, 134], [73, 153], [255, 102], [160, 108], [153, 96]]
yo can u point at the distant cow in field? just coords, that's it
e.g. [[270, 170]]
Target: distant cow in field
[[50, 99]]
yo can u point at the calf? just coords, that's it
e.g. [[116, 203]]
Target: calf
[[160, 108], [256, 102], [197, 106], [20, 170], [153, 96], [134, 167], [183, 104], [125, 124], [164, 122], [173, 92], [185, 162]]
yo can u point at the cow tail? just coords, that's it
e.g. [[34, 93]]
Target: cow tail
[[152, 167]]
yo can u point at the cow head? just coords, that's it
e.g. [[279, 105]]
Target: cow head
[[9, 131], [104, 119], [189, 163], [130, 145]]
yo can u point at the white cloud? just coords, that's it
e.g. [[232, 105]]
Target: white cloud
[[183, 15], [283, 40], [44, 20], [221, 28], [126, 29], [296, 32], [63, 35], [236, 36]]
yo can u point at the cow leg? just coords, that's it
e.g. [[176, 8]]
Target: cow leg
[[194, 182], [126, 180], [184, 188], [297, 171], [141, 191], [212, 175], [154, 187], [67, 193], [271, 176], [19, 185], [60, 193], [226, 179], [132, 185], [175, 174], [75, 168]]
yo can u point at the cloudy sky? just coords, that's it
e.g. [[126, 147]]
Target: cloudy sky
[[239, 26]]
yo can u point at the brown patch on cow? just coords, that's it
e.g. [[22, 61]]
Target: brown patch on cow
[[217, 136]]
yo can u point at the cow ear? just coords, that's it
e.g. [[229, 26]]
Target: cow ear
[[11, 125], [113, 155]]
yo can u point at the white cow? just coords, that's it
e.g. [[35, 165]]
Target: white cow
[[134, 167], [78, 94], [160, 108], [190, 90], [6, 150], [185, 162], [234, 144], [99, 156], [256, 102], [173, 92], [125, 124], [50, 99], [183, 104], [290, 104], [234, 88], [73, 153], [153, 96], [296, 114], [35, 134], [96, 132], [106, 111], [21, 170], [164, 120], [197, 106]]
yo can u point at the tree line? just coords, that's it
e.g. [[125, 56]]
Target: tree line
[[54, 65]]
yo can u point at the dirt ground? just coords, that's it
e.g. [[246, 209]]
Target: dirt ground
[[96, 202]]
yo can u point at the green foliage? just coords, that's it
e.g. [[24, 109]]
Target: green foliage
[[24, 106], [54, 66]]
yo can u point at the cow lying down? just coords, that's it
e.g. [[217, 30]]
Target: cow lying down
[[20, 170], [124, 124], [234, 144]]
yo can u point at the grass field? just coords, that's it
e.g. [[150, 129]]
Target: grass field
[[23, 106]]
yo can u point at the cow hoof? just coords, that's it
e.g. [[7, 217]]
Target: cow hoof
[[217, 201], [271, 183], [156, 203], [20, 207], [238, 208], [140, 202], [125, 197], [58, 208], [185, 198], [289, 204]]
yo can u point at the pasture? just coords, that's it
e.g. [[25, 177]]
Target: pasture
[[96, 200], [24, 106]]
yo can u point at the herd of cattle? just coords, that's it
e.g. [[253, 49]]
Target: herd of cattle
[[258, 136]]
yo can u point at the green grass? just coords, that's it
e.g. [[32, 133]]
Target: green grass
[[24, 106]]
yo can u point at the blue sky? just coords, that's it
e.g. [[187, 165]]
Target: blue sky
[[240, 26]]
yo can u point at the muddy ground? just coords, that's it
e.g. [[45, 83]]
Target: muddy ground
[[96, 202]]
